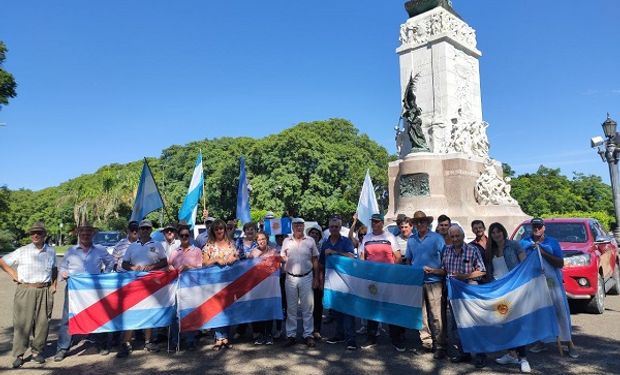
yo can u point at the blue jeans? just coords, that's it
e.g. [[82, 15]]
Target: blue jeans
[[345, 326]]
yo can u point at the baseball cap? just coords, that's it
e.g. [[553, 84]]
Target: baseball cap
[[537, 221], [146, 223], [378, 217]]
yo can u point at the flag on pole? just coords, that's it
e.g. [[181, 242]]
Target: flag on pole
[[245, 292], [148, 198], [243, 195], [194, 192], [387, 293], [367, 204], [278, 226], [123, 301], [513, 311]]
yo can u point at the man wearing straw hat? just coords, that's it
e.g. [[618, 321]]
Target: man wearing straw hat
[[85, 257], [35, 275]]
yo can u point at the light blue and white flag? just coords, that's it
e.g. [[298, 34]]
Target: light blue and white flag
[[190, 203], [367, 204], [388, 293], [243, 195], [148, 198], [278, 226], [513, 311]]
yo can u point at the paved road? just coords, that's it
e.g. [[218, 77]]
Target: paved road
[[596, 336]]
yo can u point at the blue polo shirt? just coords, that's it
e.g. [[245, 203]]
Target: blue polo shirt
[[343, 244], [426, 252]]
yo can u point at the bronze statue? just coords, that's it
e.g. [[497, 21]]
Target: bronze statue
[[415, 7], [411, 116]]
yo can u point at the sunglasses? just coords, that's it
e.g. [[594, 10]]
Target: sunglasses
[[184, 235]]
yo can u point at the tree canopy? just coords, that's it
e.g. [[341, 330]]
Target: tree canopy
[[7, 82]]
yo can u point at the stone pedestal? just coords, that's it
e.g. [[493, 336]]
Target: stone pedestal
[[444, 184]]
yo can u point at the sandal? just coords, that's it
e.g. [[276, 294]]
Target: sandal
[[219, 344]]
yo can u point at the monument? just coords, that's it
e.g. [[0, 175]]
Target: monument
[[444, 164]]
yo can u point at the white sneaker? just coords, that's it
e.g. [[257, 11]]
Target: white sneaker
[[573, 353], [538, 347], [525, 366], [507, 359]]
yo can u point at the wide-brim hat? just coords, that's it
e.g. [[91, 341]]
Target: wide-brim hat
[[420, 216], [39, 226], [314, 227], [86, 225]]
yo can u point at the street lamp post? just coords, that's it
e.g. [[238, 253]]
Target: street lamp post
[[610, 153]]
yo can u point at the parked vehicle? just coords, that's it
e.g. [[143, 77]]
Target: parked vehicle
[[107, 239], [591, 265]]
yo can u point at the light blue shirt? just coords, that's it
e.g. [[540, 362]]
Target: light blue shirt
[[426, 252], [92, 261]]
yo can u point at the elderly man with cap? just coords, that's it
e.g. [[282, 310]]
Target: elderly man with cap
[[201, 240], [425, 249], [121, 247], [35, 275], [170, 242], [85, 257], [553, 262], [142, 255], [301, 257], [380, 246]]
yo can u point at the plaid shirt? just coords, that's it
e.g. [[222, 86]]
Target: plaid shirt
[[32, 265], [468, 261]]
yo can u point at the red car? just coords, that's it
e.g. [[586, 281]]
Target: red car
[[591, 265]]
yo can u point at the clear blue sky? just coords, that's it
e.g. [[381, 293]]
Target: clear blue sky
[[113, 81]]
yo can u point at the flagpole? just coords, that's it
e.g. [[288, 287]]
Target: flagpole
[[204, 193]]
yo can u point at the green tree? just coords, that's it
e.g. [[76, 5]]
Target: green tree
[[7, 82]]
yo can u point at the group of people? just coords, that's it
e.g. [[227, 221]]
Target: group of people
[[442, 253]]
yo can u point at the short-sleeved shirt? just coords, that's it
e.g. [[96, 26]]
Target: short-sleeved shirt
[[212, 251], [244, 251], [189, 257], [144, 254], [32, 265], [119, 252], [92, 261], [170, 246], [299, 254], [201, 239], [426, 252], [380, 247], [343, 245], [468, 261]]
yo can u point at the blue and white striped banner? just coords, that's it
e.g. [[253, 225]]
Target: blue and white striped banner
[[387, 293], [513, 311]]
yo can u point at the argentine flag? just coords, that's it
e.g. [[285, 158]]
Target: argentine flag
[[148, 198], [387, 293], [190, 203], [243, 195], [367, 204], [513, 311], [278, 226]]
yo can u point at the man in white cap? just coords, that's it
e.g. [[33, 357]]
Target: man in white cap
[[302, 274], [35, 275], [85, 257], [142, 255]]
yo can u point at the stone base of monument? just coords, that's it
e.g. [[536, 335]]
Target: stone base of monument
[[461, 186]]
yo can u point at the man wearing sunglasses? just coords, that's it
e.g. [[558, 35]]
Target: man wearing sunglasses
[[121, 247], [170, 243], [33, 268]]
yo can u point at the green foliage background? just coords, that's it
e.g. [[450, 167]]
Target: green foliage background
[[313, 169]]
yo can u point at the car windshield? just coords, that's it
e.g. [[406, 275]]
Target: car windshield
[[106, 238], [563, 232]]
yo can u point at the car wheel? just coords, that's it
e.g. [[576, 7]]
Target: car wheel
[[615, 290], [597, 304]]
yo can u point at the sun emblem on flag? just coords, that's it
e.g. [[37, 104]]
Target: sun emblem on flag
[[372, 288], [503, 308], [275, 225]]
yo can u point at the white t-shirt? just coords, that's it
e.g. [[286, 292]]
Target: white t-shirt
[[499, 267], [139, 254]]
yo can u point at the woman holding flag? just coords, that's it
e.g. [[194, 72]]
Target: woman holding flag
[[221, 251]]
